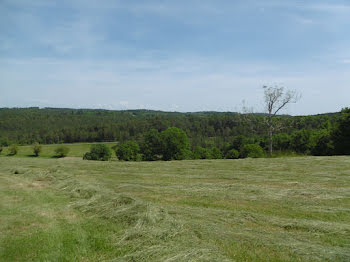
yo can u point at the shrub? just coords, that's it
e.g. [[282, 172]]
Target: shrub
[[13, 150], [128, 151], [252, 150], [36, 149], [61, 151], [4, 142], [98, 152], [201, 153], [0, 149], [215, 153], [187, 154], [232, 154]]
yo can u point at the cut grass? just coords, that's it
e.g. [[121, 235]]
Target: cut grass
[[283, 209]]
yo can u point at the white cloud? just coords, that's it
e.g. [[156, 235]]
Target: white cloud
[[124, 103]]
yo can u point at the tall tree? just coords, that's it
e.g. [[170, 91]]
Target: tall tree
[[276, 98], [174, 143]]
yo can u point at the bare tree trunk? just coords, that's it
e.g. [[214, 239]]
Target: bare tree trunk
[[275, 100], [270, 138], [270, 131]]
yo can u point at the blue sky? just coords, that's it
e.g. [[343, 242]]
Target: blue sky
[[192, 55]]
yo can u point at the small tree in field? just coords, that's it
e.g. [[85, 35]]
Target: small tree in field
[[61, 151], [98, 152], [36, 149], [276, 98], [128, 151], [13, 150]]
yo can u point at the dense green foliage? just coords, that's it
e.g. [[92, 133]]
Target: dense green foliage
[[36, 149], [251, 150], [61, 151], [232, 154], [152, 145], [128, 151], [341, 135], [98, 152], [209, 134], [174, 144], [13, 150], [170, 144]]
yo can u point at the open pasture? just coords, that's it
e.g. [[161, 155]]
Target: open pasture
[[283, 209], [48, 151]]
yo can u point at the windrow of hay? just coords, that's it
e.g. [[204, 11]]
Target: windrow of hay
[[151, 233]]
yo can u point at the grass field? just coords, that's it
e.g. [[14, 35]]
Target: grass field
[[281, 209], [48, 151]]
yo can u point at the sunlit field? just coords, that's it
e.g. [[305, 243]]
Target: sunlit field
[[48, 151], [285, 209]]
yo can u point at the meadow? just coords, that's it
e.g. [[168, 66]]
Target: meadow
[[48, 151], [273, 209]]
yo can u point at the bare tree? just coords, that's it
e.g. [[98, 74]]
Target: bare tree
[[276, 98]]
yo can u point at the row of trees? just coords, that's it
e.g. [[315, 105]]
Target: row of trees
[[52, 126], [60, 151], [170, 144], [173, 144]]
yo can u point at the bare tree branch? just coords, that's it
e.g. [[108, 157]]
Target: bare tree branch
[[275, 100]]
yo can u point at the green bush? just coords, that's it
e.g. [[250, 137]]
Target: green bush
[[252, 150], [0, 149], [13, 150], [4, 142], [232, 154], [36, 149], [201, 153], [61, 151], [98, 152], [129, 151], [215, 153]]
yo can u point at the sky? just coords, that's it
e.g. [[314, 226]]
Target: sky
[[179, 55]]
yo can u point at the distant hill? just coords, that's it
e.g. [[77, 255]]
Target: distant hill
[[58, 125]]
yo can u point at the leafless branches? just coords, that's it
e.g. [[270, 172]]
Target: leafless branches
[[276, 98]]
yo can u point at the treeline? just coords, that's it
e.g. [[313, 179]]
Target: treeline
[[210, 134]]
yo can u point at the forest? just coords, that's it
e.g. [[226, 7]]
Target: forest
[[209, 134]]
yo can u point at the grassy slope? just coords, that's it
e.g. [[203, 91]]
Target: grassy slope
[[286, 209], [75, 150]]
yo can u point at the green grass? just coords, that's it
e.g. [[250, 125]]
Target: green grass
[[276, 209], [48, 151]]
